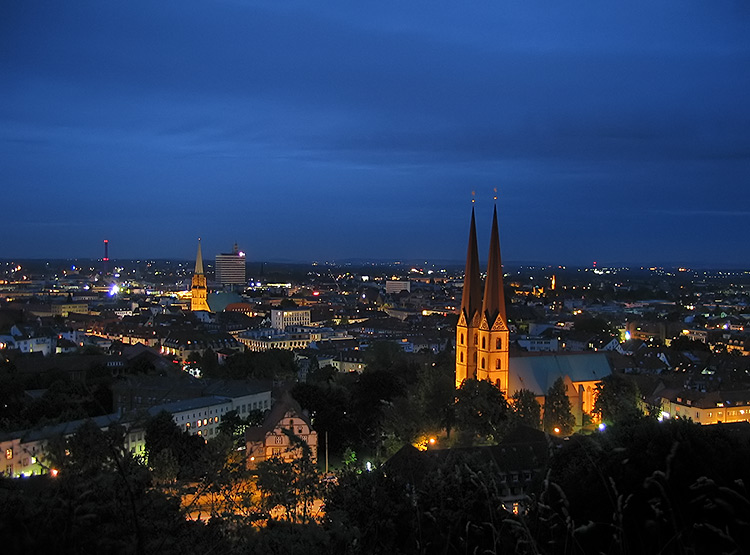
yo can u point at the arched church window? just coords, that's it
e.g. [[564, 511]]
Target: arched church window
[[482, 363], [498, 365], [499, 344], [484, 346], [462, 357], [462, 339]]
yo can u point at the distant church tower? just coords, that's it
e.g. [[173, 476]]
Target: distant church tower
[[482, 330], [198, 290]]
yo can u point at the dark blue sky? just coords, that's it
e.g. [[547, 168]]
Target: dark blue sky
[[614, 131]]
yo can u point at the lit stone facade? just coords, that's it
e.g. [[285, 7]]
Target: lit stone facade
[[199, 289], [283, 318]]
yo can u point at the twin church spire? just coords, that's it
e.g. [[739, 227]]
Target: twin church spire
[[482, 330]]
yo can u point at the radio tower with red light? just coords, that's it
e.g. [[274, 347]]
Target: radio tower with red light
[[106, 257]]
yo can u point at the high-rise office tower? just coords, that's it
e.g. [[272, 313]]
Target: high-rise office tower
[[231, 267]]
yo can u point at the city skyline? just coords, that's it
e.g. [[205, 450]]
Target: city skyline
[[327, 132]]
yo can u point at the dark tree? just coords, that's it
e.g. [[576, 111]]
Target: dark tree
[[435, 393], [291, 484], [162, 434], [526, 410], [209, 362], [316, 374], [558, 410], [330, 412], [683, 343], [481, 411], [592, 325], [617, 399]]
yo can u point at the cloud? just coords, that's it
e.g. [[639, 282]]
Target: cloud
[[380, 118]]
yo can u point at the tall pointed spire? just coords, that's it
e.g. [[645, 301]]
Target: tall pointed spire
[[472, 292], [494, 296], [199, 288], [199, 260]]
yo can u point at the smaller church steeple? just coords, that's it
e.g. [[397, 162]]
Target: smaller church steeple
[[199, 288], [199, 259]]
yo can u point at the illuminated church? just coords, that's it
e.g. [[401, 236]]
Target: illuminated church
[[482, 340], [199, 289], [482, 331]]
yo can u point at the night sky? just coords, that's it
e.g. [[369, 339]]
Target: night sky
[[614, 131]]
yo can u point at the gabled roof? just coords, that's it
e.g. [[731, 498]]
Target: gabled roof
[[188, 404], [276, 415], [538, 373], [61, 429]]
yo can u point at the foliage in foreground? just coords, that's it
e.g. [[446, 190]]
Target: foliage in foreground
[[639, 487]]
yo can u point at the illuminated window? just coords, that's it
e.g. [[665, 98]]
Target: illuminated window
[[9, 453]]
